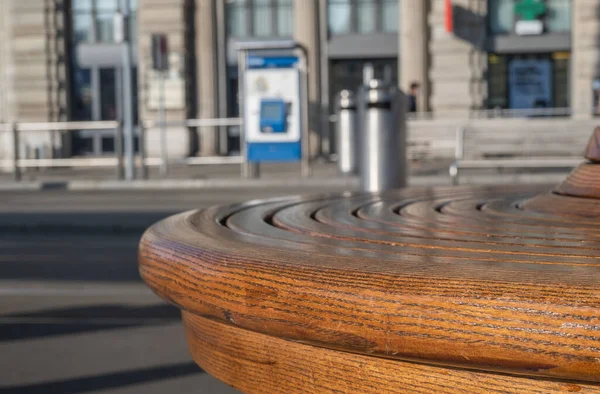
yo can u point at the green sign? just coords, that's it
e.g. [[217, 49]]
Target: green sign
[[530, 10]]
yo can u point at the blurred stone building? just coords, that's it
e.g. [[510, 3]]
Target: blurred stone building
[[59, 61]]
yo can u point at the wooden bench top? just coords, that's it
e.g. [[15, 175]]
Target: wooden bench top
[[421, 290]]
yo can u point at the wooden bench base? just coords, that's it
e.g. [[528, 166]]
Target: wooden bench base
[[258, 363], [439, 290]]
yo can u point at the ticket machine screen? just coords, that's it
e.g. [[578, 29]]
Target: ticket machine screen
[[273, 116]]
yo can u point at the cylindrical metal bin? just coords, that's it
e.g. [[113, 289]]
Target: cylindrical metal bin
[[346, 138], [383, 137]]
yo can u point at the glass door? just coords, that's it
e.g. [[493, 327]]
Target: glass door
[[109, 107], [98, 98], [97, 77]]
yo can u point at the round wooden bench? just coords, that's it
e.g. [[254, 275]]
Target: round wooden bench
[[421, 290]]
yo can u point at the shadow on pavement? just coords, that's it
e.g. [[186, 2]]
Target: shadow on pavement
[[81, 256], [106, 381], [91, 223], [66, 321]]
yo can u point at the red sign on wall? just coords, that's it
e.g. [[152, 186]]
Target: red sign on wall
[[449, 16]]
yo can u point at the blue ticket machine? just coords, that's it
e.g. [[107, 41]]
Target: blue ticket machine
[[272, 109]]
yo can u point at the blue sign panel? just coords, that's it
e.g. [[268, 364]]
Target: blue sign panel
[[272, 62], [274, 152]]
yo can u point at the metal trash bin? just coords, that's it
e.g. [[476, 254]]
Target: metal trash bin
[[346, 138], [382, 120]]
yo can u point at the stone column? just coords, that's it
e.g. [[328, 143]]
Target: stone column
[[206, 64], [413, 64], [33, 73], [307, 33], [6, 85], [5, 60], [458, 59], [585, 55], [33, 60], [170, 17]]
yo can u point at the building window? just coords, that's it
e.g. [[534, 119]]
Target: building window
[[340, 16], [105, 13], [558, 18], [236, 18], [501, 16], [389, 15], [366, 19], [362, 16], [528, 81], [348, 74], [93, 20], [260, 18], [554, 14]]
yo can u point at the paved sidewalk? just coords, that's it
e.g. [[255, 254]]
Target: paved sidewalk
[[75, 316], [284, 176]]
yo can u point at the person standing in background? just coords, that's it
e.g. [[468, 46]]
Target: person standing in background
[[412, 96], [596, 90]]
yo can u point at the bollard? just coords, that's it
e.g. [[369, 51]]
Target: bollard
[[119, 151], [382, 119], [346, 138], [16, 152], [142, 150]]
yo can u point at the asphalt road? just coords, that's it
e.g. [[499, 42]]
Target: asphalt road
[[74, 314]]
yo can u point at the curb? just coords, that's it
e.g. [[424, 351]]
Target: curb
[[279, 183], [180, 184]]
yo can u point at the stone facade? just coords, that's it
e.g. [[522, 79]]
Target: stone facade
[[585, 66], [33, 61], [451, 67], [6, 62], [307, 34], [458, 60], [414, 40], [207, 72], [33, 74], [171, 18]]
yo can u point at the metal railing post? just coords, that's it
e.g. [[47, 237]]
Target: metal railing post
[[16, 151], [249, 169], [162, 127], [460, 143], [119, 150], [459, 151], [305, 164], [142, 150]]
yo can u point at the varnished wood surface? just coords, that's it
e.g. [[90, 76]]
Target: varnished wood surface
[[258, 363], [582, 182], [482, 278], [592, 150]]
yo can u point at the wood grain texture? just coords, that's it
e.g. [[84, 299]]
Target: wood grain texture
[[584, 181], [485, 278], [592, 150], [256, 363]]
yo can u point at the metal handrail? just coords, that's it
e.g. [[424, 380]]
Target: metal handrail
[[17, 128], [68, 126], [203, 160], [502, 113], [214, 122], [206, 122]]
